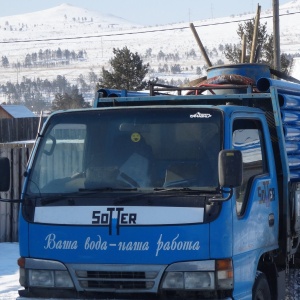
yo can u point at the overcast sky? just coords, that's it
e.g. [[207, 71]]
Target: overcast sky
[[146, 12]]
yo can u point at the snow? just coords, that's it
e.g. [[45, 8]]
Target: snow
[[9, 271], [67, 21], [75, 28]]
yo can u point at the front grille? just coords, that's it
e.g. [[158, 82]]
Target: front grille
[[97, 274], [117, 278]]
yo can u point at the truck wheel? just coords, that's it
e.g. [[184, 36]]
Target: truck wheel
[[261, 290]]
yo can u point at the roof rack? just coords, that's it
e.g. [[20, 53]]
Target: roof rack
[[161, 89]]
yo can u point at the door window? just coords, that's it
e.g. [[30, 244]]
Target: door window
[[247, 137]]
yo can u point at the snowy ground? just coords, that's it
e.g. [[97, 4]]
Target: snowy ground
[[9, 271], [9, 275]]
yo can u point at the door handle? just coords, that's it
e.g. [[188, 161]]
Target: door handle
[[271, 219]]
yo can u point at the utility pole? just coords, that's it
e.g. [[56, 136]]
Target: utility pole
[[276, 34]]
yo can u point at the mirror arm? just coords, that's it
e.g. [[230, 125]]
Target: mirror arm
[[11, 200], [211, 200]]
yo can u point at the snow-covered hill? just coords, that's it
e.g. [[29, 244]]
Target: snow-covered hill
[[74, 28], [63, 19]]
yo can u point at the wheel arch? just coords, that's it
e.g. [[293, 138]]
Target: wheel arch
[[269, 268]]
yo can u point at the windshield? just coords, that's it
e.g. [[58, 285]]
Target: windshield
[[137, 148]]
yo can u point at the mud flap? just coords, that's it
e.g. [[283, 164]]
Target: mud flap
[[281, 284]]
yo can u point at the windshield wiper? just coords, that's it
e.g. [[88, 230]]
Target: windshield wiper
[[171, 190], [184, 189], [105, 189], [44, 200], [180, 189], [56, 198]]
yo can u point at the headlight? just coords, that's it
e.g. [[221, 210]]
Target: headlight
[[173, 280], [62, 279], [189, 280], [43, 273], [48, 278], [41, 278], [199, 280], [199, 275]]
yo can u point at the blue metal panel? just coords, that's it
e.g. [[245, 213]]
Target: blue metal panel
[[252, 233], [135, 244], [244, 277], [221, 238], [23, 236]]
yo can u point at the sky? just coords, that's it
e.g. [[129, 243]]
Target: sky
[[145, 12]]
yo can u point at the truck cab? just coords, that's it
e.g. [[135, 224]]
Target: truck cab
[[160, 197]]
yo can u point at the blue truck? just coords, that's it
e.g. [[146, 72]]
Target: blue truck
[[173, 193]]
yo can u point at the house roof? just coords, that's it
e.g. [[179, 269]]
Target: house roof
[[18, 111]]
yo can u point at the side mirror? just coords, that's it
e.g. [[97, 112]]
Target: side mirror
[[230, 168], [4, 174]]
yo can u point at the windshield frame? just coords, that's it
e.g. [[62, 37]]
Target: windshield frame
[[194, 113]]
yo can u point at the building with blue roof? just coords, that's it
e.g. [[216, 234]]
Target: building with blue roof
[[15, 112]]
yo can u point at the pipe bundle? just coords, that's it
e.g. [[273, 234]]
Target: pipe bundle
[[289, 102]]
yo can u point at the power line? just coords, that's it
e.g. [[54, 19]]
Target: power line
[[139, 32]]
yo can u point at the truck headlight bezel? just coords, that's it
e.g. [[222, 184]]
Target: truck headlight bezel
[[199, 275], [44, 274], [189, 281], [49, 278]]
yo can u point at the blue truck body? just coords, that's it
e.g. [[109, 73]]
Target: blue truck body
[[88, 230]]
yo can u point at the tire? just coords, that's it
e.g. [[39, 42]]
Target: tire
[[261, 290]]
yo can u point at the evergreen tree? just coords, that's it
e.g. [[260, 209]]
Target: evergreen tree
[[233, 52], [128, 71], [41, 55], [176, 69], [34, 57], [69, 101], [5, 62], [61, 84], [28, 61], [160, 55], [67, 54], [58, 53], [264, 43], [92, 77]]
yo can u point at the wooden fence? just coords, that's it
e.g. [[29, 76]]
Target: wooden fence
[[21, 129], [18, 155], [16, 142]]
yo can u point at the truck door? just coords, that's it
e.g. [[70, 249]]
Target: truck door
[[255, 219]]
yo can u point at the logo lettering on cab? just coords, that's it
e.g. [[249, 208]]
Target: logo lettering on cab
[[112, 216]]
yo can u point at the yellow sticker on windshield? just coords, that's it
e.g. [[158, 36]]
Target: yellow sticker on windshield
[[135, 137]]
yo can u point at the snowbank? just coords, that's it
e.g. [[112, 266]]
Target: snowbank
[[9, 271]]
